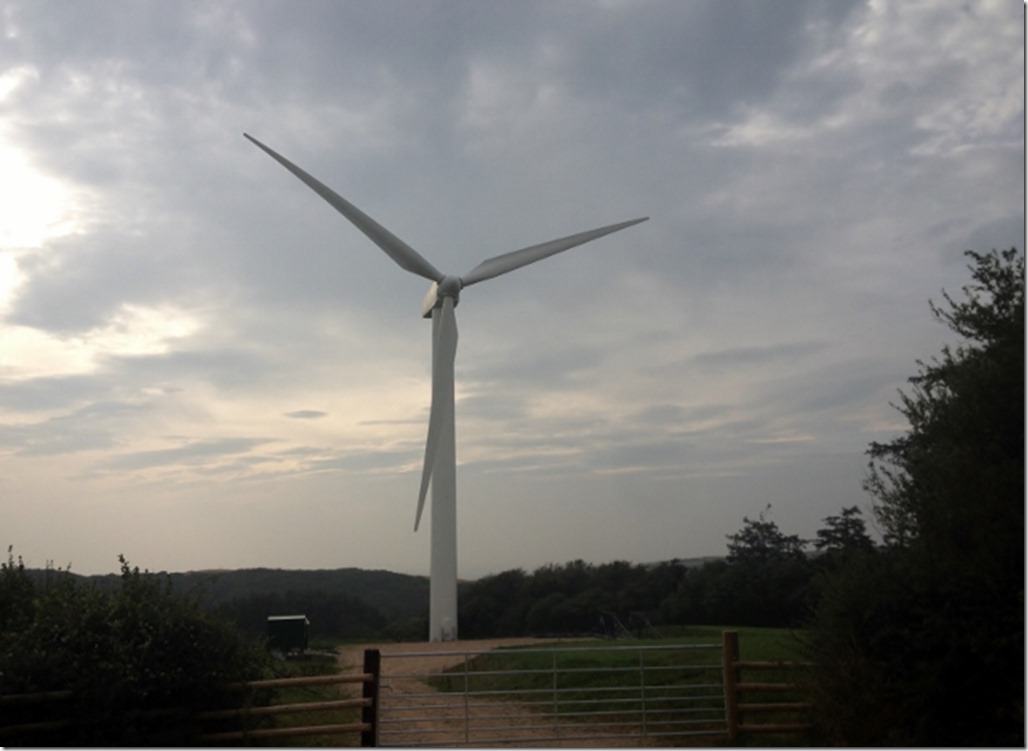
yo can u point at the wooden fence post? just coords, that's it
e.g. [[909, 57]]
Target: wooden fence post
[[730, 656], [370, 690]]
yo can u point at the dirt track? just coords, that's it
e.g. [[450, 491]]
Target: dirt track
[[352, 657], [443, 717]]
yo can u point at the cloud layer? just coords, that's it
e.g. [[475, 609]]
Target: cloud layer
[[205, 366]]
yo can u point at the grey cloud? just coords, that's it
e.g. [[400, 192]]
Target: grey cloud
[[556, 446], [306, 460], [79, 283], [703, 59], [224, 368], [555, 366], [641, 454], [88, 428], [363, 461], [826, 390], [754, 356], [306, 414], [54, 440], [493, 407], [52, 392], [538, 464], [113, 33], [676, 416], [661, 437], [420, 419], [730, 448], [190, 453], [998, 234]]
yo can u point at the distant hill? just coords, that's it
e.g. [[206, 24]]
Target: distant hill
[[353, 603], [395, 596]]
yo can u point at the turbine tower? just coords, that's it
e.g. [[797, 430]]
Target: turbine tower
[[440, 467]]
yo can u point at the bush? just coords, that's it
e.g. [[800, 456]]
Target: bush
[[923, 643], [123, 652]]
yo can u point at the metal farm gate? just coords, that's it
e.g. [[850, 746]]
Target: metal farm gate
[[551, 696]]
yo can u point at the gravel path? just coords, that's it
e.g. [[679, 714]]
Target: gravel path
[[426, 716]]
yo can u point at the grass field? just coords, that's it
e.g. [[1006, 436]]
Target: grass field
[[674, 681], [756, 643], [309, 665]]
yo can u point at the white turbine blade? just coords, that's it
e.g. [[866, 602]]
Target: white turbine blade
[[444, 352], [516, 259], [395, 248]]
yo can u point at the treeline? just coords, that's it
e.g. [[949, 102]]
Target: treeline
[[767, 579], [764, 580]]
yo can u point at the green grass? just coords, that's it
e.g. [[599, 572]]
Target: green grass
[[308, 665], [591, 683], [579, 683], [755, 642]]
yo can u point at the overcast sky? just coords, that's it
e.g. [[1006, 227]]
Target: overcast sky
[[203, 365]]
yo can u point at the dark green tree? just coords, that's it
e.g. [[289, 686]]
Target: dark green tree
[[761, 542], [924, 643], [762, 582], [495, 605], [844, 534]]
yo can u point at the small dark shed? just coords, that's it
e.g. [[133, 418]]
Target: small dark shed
[[287, 633]]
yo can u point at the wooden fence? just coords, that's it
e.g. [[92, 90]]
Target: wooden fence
[[245, 713], [775, 704], [788, 704]]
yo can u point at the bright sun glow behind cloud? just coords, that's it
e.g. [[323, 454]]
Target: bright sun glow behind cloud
[[8, 279], [36, 207], [134, 330]]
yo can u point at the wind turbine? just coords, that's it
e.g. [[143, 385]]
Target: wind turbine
[[440, 467]]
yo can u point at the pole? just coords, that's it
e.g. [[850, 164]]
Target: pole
[[729, 658], [370, 690]]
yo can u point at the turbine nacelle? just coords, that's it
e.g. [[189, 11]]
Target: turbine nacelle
[[448, 286]]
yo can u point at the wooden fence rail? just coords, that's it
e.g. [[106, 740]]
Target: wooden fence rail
[[367, 727], [247, 712], [736, 709]]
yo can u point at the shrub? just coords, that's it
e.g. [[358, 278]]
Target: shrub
[[923, 643], [123, 652]]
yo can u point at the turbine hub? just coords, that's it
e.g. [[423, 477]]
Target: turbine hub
[[448, 286], [451, 286]]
